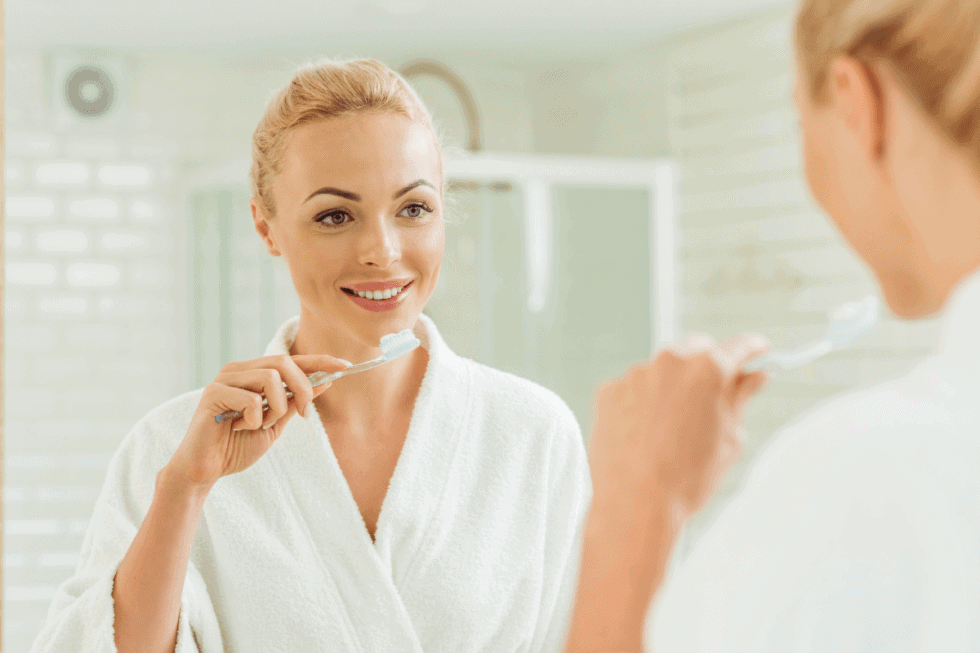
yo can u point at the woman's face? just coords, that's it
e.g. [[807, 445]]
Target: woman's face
[[358, 216]]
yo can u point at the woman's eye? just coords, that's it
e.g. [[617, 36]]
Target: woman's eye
[[334, 219], [415, 211]]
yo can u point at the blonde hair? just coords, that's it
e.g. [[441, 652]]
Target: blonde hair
[[326, 89], [932, 45]]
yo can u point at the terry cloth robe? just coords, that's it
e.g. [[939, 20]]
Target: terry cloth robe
[[477, 543], [859, 528]]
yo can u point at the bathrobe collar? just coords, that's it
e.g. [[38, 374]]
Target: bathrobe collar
[[370, 572]]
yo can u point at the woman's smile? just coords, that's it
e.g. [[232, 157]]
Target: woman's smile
[[378, 296]]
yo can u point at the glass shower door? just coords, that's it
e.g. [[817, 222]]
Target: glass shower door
[[595, 319]]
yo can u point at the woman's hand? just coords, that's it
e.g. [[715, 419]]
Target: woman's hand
[[662, 436], [671, 427], [211, 449]]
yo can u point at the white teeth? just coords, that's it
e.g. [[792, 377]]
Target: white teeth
[[379, 294]]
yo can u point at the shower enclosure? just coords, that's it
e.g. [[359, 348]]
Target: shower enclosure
[[558, 269]]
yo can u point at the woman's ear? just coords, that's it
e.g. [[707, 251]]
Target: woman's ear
[[857, 95], [262, 227]]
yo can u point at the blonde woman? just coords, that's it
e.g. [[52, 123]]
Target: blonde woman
[[429, 504], [859, 528]]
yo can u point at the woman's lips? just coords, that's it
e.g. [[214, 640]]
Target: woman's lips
[[381, 305]]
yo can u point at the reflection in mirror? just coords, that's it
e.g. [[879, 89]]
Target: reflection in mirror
[[133, 272]]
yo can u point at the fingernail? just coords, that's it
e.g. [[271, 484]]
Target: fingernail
[[306, 409], [347, 363]]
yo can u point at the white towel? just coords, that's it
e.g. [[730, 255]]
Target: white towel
[[476, 547]]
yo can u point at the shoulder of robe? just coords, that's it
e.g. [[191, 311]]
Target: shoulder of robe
[[512, 399], [885, 425], [154, 438], [169, 421]]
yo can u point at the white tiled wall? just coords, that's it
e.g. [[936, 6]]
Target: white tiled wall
[[90, 341], [93, 332]]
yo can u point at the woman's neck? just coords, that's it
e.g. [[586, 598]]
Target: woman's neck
[[363, 403]]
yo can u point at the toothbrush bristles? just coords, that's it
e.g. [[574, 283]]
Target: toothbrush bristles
[[398, 344]]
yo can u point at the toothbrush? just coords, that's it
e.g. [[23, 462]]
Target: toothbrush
[[847, 322], [393, 345]]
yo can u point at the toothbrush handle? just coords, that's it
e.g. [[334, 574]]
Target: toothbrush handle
[[354, 369], [317, 378], [790, 359]]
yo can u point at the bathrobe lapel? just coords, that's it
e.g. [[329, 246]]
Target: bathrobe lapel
[[365, 573], [422, 476]]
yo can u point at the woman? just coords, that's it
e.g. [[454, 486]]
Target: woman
[[859, 528], [428, 504]]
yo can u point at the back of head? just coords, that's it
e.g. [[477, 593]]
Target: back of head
[[933, 46], [327, 89]]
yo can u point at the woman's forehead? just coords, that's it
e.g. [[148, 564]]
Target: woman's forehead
[[370, 151]]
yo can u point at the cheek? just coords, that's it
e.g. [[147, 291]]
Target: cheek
[[833, 180], [856, 200], [431, 245], [313, 262], [817, 170], [428, 248]]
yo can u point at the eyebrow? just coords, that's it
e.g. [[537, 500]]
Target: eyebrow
[[354, 197]]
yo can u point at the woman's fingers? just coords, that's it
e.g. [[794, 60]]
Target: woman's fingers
[[319, 390], [293, 371], [279, 426], [308, 364], [266, 382], [226, 397], [745, 387], [736, 351], [296, 381]]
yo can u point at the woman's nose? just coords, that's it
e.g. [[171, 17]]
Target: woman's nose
[[379, 246]]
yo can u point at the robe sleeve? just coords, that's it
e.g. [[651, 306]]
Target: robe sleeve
[[81, 615], [571, 486]]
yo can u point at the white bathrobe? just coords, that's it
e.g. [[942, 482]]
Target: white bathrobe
[[859, 528], [476, 548]]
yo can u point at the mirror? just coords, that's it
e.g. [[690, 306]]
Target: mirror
[[126, 154]]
